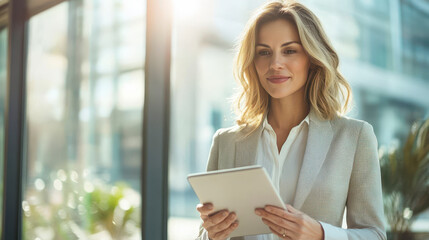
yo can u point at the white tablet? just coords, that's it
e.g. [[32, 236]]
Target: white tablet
[[240, 190]]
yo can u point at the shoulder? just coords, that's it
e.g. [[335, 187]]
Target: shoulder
[[231, 133], [360, 129], [236, 133], [344, 123]]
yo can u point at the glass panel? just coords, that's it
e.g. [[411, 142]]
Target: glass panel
[[3, 102], [366, 39], [85, 85], [202, 82], [415, 39]]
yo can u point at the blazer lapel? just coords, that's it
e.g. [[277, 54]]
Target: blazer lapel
[[245, 149], [318, 142]]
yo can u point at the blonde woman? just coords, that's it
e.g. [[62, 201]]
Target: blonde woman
[[291, 122]]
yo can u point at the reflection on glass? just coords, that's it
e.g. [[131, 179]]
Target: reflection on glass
[[84, 115], [3, 98], [373, 38]]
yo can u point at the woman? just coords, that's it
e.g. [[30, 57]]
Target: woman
[[291, 123]]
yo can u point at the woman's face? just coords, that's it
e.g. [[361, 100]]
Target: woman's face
[[280, 60]]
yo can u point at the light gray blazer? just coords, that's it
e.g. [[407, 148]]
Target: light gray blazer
[[340, 169]]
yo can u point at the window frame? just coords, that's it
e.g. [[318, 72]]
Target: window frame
[[34, 7], [156, 125], [14, 122], [154, 177]]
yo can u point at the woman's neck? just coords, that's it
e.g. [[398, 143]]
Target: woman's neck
[[285, 114]]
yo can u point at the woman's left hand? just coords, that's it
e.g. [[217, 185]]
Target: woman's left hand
[[290, 224]]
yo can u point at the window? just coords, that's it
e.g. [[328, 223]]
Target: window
[[202, 84], [415, 39], [85, 85]]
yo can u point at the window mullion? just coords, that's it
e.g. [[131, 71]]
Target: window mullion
[[14, 130]]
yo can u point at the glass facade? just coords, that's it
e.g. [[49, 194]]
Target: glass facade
[[3, 102], [84, 109], [383, 48], [415, 39]]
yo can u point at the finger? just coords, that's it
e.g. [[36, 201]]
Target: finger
[[292, 209], [281, 222], [221, 226], [204, 217], [225, 233], [293, 217], [205, 208], [275, 227], [287, 237], [287, 227], [215, 219]]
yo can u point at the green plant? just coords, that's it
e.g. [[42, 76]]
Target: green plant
[[405, 179], [70, 207], [109, 209]]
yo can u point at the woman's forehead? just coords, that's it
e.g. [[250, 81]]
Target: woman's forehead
[[277, 31]]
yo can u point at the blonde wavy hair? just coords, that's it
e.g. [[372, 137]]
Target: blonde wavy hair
[[326, 90]]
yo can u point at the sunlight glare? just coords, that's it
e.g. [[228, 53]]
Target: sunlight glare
[[186, 9]]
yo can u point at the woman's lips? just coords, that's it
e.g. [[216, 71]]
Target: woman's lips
[[278, 79]]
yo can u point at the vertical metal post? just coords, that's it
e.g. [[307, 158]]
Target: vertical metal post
[[12, 216], [156, 120]]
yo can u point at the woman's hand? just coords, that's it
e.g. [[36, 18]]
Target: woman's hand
[[291, 223], [218, 225]]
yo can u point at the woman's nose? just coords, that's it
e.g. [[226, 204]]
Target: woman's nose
[[277, 62]]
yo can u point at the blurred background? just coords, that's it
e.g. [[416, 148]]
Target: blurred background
[[384, 54], [85, 97]]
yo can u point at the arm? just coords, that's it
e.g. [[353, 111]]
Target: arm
[[365, 214]]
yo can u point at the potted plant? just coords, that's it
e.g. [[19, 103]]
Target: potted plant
[[405, 180]]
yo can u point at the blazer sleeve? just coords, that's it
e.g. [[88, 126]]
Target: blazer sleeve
[[212, 164], [365, 212]]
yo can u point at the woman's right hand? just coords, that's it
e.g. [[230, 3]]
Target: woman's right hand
[[218, 225]]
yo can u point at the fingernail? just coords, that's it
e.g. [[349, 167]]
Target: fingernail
[[224, 213], [258, 212]]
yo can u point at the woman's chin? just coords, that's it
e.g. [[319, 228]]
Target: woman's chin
[[279, 95]]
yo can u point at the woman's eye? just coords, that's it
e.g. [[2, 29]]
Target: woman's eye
[[263, 53], [289, 51]]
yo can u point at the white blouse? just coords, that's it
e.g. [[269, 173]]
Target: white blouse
[[283, 167]]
